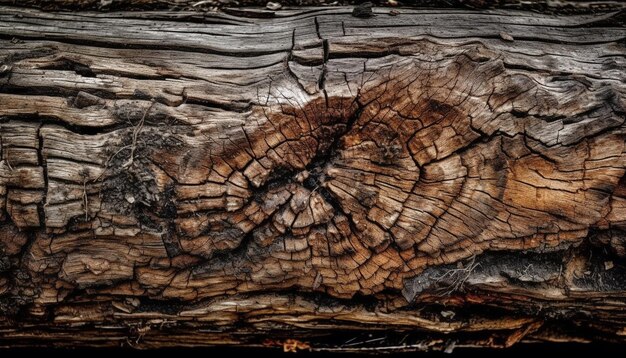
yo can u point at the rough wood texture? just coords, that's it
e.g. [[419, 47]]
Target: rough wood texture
[[561, 6], [432, 178]]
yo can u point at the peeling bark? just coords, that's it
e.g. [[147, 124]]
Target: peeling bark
[[431, 178]]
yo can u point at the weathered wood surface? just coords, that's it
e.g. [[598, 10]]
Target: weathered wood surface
[[260, 6], [185, 178]]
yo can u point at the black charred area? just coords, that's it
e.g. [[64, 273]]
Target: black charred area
[[324, 157], [69, 65]]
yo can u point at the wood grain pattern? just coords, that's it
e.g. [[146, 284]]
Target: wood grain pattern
[[448, 171]]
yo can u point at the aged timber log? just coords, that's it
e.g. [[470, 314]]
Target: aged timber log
[[196, 178]]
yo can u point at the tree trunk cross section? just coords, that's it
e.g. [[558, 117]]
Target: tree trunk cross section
[[173, 178]]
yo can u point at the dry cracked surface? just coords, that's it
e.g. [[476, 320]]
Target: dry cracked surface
[[312, 170]]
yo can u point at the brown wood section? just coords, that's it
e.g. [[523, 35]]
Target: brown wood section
[[436, 177]]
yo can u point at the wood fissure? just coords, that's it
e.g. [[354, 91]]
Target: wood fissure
[[313, 172]]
